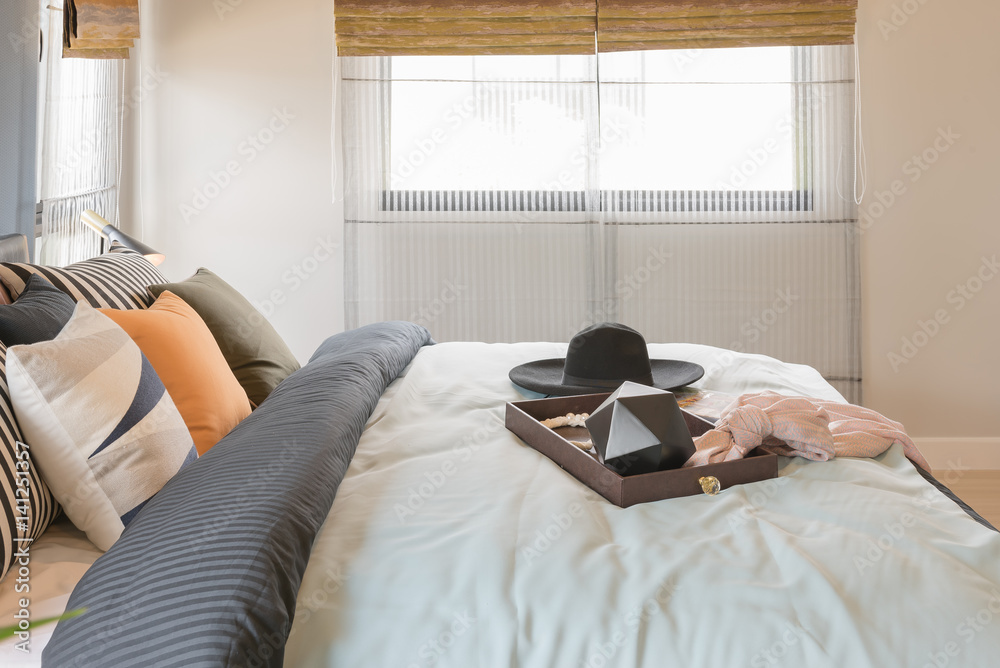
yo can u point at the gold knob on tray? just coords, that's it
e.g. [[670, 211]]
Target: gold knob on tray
[[710, 485]]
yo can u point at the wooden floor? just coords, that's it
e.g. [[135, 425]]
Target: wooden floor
[[979, 489]]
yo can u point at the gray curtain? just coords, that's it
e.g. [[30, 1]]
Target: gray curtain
[[18, 93]]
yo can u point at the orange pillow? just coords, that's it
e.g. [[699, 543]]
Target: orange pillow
[[187, 359]]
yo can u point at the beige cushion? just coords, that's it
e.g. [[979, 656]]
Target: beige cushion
[[105, 434]]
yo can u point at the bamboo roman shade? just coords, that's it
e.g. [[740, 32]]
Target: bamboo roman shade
[[470, 27], [480, 27], [104, 29], [638, 25]]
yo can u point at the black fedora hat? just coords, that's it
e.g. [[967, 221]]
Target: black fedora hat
[[600, 359]]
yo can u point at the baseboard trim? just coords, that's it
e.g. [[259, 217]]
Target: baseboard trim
[[977, 454]]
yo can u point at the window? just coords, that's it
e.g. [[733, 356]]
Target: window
[[668, 130], [702, 196], [79, 123]]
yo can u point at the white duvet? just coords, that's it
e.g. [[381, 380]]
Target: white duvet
[[451, 543]]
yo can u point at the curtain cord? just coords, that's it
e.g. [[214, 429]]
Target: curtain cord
[[860, 156], [337, 77], [120, 121]]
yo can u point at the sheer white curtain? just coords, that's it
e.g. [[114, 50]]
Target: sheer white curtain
[[702, 196], [451, 222], [79, 131]]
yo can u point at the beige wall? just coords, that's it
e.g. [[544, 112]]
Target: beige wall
[[223, 75], [238, 93], [923, 74]]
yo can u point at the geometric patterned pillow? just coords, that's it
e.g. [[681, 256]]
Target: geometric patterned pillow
[[104, 432], [28, 504], [118, 279]]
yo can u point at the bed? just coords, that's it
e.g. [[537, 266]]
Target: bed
[[374, 511], [453, 543]]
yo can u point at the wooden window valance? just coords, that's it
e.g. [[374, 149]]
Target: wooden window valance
[[477, 27], [104, 29]]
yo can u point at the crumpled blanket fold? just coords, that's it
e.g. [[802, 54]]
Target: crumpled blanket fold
[[801, 427]]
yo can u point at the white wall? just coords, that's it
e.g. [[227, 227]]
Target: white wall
[[209, 80], [223, 77], [938, 70]]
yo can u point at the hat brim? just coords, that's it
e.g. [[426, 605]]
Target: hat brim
[[546, 377]]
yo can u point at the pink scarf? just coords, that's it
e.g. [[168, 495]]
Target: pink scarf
[[810, 428]]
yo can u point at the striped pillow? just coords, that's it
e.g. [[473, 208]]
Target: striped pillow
[[28, 505], [118, 279], [104, 431]]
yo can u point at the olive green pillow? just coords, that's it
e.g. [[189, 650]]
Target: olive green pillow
[[258, 356]]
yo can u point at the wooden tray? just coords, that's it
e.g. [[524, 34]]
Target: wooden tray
[[524, 419]]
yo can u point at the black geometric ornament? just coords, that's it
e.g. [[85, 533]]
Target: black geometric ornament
[[640, 429]]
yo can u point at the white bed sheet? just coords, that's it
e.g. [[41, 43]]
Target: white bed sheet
[[57, 562], [451, 543]]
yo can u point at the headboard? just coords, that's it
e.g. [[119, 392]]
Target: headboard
[[14, 248]]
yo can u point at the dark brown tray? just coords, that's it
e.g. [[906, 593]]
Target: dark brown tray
[[523, 418]]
